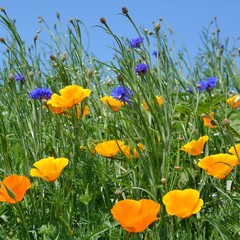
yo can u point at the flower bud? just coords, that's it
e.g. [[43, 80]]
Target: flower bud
[[89, 72], [103, 20], [124, 10], [11, 77], [163, 181], [157, 27]]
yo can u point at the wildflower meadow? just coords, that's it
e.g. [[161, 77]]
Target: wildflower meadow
[[145, 146]]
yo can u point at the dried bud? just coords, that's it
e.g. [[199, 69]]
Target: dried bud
[[157, 27], [89, 72], [35, 38], [2, 40], [11, 77], [124, 10], [39, 73], [103, 20]]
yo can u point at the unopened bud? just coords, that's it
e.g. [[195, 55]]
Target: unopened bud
[[52, 57], [124, 10], [35, 38], [11, 77], [177, 168], [226, 122], [31, 74], [157, 27], [119, 78], [163, 181], [103, 20], [90, 72], [58, 15], [40, 19], [2, 40]]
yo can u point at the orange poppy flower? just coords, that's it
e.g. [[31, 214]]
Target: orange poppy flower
[[234, 101], [85, 112], [69, 96], [49, 168], [135, 216], [108, 148], [218, 165], [128, 153], [159, 101], [183, 203], [13, 188], [195, 147], [235, 152], [113, 103], [208, 121]]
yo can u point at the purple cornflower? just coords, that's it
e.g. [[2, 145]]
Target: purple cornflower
[[156, 53], [136, 43], [122, 94], [41, 93], [141, 69], [19, 77]]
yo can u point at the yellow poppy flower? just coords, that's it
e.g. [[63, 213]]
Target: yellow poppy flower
[[235, 152], [69, 96], [218, 165], [208, 121], [183, 203], [108, 148], [135, 216], [194, 147], [113, 103], [128, 153], [13, 188], [234, 101], [49, 168]]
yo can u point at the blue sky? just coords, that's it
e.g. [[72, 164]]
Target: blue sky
[[186, 17]]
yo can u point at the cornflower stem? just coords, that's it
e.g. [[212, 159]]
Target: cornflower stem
[[19, 209]]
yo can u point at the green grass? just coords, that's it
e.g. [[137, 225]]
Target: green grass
[[77, 205]]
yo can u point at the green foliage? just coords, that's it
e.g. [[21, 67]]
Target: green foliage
[[77, 205]]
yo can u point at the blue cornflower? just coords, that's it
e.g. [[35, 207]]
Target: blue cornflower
[[19, 77], [136, 43], [122, 94], [41, 93], [141, 69], [210, 83], [205, 85], [156, 53]]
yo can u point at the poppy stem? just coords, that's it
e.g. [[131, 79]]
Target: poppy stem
[[19, 208], [128, 235]]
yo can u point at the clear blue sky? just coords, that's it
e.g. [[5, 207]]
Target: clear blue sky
[[186, 17]]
